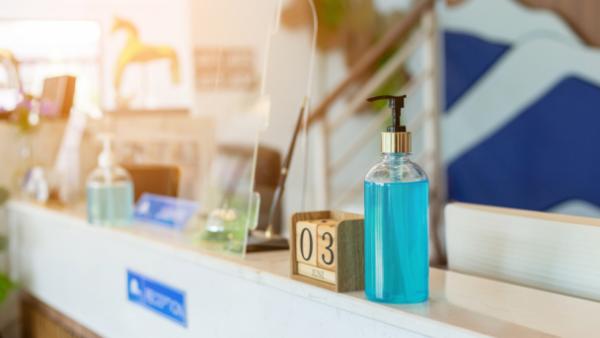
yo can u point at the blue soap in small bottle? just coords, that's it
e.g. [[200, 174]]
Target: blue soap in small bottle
[[396, 219]]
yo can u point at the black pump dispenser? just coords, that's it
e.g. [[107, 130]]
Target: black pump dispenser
[[396, 139], [396, 103]]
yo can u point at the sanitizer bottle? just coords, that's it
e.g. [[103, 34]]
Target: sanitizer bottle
[[396, 219], [109, 191]]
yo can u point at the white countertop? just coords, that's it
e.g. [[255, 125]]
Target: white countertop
[[51, 248]]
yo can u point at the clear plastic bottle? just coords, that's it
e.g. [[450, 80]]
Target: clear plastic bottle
[[396, 222], [109, 192]]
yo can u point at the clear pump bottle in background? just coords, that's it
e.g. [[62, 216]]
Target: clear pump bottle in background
[[109, 191], [396, 220]]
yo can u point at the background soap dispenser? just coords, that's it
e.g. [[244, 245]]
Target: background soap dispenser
[[109, 191], [396, 219]]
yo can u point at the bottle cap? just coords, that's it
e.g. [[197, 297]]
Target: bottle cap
[[396, 139]]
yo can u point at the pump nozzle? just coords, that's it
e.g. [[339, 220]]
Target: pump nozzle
[[396, 103], [396, 139], [106, 157]]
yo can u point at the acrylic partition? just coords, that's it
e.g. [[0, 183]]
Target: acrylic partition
[[288, 69], [243, 76]]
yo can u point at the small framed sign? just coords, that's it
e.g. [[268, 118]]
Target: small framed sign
[[165, 211]]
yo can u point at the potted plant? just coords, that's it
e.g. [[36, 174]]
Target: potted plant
[[7, 311], [6, 285]]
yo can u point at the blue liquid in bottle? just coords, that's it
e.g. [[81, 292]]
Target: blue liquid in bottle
[[396, 232]]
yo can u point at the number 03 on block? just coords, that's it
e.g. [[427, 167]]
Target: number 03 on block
[[327, 249]]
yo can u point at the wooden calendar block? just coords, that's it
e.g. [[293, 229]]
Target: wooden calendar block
[[328, 250], [326, 245], [306, 235]]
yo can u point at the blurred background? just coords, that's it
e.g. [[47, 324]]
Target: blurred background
[[503, 96]]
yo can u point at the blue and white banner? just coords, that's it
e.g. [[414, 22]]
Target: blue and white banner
[[522, 109]]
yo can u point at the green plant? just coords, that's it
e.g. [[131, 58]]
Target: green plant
[[352, 27], [6, 285], [3, 196]]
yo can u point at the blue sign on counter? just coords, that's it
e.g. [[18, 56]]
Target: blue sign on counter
[[165, 211], [165, 300]]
